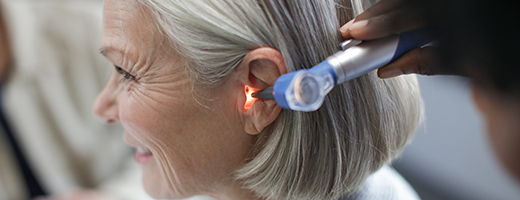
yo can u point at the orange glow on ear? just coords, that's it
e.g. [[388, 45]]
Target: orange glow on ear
[[249, 99]]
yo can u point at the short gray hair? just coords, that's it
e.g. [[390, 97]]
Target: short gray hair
[[363, 124]]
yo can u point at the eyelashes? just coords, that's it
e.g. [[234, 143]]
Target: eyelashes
[[126, 76]]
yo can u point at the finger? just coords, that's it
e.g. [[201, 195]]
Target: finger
[[394, 22], [344, 29], [379, 8], [418, 61], [382, 7]]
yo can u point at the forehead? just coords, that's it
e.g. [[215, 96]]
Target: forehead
[[129, 23]]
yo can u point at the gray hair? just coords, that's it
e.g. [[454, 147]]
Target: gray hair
[[363, 124]]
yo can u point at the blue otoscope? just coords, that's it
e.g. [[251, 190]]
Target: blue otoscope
[[305, 90]]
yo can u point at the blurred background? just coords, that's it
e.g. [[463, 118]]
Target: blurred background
[[450, 157]]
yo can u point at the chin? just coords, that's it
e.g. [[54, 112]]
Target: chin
[[155, 183]]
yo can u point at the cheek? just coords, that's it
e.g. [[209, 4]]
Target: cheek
[[160, 124], [503, 124], [195, 148], [504, 135]]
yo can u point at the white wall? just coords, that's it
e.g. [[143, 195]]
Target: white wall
[[450, 155]]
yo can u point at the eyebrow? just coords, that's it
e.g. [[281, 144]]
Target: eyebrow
[[103, 51], [109, 50]]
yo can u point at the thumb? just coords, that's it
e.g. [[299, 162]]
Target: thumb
[[418, 61]]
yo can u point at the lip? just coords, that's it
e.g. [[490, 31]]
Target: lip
[[143, 158], [142, 153]]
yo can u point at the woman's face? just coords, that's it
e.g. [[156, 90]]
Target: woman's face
[[186, 144]]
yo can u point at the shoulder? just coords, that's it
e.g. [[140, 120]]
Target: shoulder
[[384, 184]]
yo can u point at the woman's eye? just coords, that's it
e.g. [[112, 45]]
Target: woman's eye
[[125, 74]]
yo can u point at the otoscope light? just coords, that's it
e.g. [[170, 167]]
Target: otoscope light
[[249, 98]]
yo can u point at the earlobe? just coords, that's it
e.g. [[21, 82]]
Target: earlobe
[[264, 65], [260, 115]]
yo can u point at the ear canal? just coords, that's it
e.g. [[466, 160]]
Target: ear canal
[[249, 98]]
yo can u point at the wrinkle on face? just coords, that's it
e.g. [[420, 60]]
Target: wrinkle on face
[[196, 145]]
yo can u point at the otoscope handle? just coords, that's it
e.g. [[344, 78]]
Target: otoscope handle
[[411, 40], [372, 54], [305, 90]]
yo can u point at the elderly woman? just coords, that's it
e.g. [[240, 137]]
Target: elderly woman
[[182, 69]]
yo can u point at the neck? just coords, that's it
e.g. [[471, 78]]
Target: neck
[[235, 192]]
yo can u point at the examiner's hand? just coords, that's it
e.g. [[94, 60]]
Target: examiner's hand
[[390, 17]]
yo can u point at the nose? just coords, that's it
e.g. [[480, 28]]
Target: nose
[[106, 107]]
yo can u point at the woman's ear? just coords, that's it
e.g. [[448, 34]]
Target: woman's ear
[[261, 67]]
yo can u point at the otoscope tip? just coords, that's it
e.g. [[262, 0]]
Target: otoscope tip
[[266, 93]]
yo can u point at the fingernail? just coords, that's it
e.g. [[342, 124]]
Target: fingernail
[[345, 27], [358, 25], [390, 73]]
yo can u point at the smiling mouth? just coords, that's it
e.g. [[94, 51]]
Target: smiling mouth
[[143, 150], [143, 155]]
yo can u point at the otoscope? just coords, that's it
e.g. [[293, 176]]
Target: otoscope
[[305, 89]]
